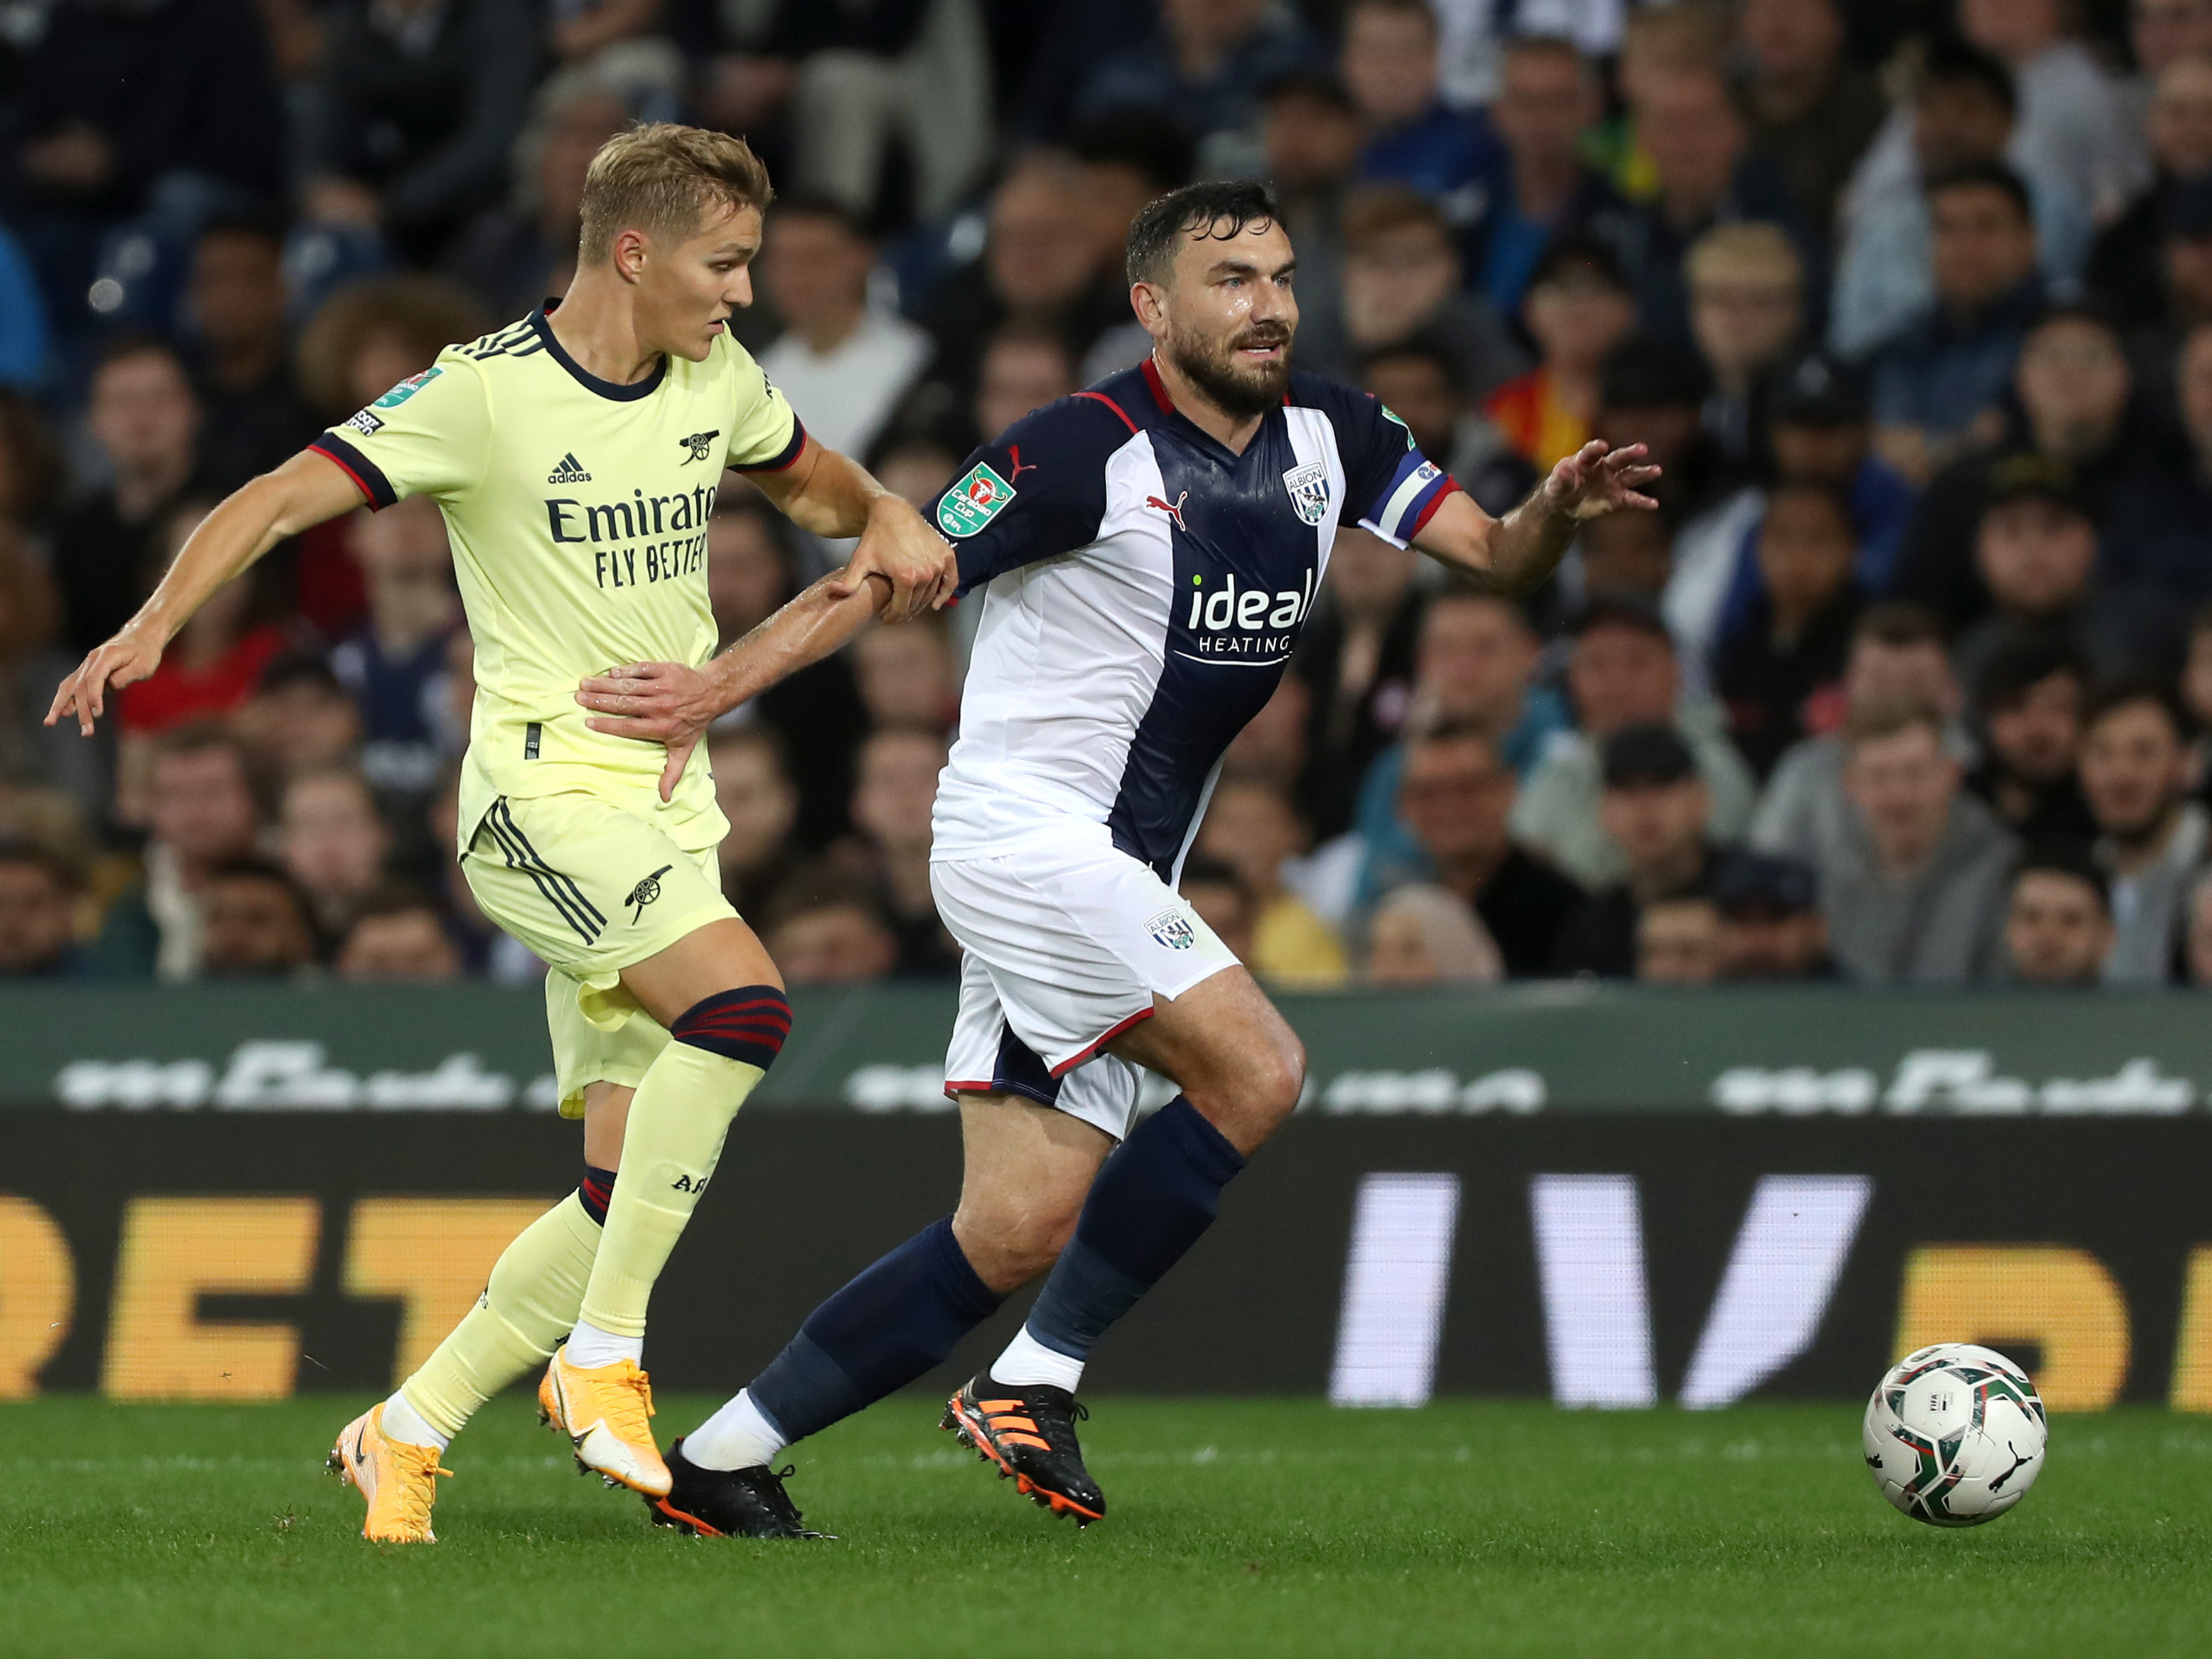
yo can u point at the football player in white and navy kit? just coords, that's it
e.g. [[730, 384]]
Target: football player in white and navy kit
[[1147, 554]]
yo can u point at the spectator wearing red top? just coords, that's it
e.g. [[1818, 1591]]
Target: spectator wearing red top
[[214, 665]]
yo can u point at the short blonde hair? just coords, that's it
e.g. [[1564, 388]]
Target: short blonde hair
[[664, 180], [1750, 249]]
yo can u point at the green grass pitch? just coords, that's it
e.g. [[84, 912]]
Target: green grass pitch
[[1276, 1528]]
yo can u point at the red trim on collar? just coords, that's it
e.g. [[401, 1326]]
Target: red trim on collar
[[1102, 397], [1159, 388]]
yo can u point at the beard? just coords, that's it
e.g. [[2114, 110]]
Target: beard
[[1239, 389]]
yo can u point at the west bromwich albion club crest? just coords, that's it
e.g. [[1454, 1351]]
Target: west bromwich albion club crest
[[1172, 930], [1308, 488]]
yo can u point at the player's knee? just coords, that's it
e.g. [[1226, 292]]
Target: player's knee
[[1008, 1248], [1271, 1084]]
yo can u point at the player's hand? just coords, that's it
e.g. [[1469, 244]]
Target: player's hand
[[897, 545], [663, 702], [129, 657], [1598, 479]]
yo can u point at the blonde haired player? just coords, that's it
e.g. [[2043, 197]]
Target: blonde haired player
[[575, 455]]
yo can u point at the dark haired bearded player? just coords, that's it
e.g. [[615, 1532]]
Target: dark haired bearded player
[[1147, 553]]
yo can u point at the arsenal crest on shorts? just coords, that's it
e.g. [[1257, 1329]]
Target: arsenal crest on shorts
[[1308, 488], [1172, 930]]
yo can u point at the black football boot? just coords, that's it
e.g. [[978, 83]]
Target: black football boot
[[727, 1503], [1029, 1430]]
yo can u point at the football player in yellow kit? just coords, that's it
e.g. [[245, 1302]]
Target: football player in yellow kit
[[575, 456]]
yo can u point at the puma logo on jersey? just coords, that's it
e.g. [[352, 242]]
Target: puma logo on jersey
[[696, 443], [568, 469], [1014, 473], [1173, 512]]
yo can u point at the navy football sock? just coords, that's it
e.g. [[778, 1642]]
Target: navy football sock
[[1150, 1204], [883, 1330]]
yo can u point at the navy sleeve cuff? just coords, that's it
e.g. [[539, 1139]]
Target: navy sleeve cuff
[[365, 473], [784, 456]]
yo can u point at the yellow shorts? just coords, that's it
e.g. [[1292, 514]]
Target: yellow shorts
[[593, 889]]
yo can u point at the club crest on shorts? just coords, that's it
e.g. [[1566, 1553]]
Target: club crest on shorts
[[645, 892], [973, 501], [1308, 488], [1172, 929]]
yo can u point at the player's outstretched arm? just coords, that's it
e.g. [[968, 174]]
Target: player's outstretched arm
[[1514, 554], [833, 495], [672, 703], [303, 492]]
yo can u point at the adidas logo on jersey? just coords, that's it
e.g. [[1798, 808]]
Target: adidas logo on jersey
[[568, 469]]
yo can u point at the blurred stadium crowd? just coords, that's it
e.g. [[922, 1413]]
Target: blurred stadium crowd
[[1908, 682]]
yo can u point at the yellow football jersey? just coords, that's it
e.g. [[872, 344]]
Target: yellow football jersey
[[577, 509]]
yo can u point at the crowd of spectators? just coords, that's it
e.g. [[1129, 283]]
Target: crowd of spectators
[[1909, 680]]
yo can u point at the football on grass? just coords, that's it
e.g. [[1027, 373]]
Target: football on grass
[[1955, 1435]]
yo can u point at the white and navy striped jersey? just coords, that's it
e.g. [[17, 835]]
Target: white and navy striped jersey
[[1142, 589]]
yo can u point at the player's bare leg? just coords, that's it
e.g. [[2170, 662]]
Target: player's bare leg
[[391, 1453], [1240, 1069], [722, 1001]]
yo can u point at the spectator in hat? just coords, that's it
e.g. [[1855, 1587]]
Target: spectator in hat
[[2126, 270], [2058, 923], [1937, 381], [1819, 433], [1623, 672], [1654, 806], [2027, 704], [1628, 559], [1805, 812], [2072, 394], [2036, 549], [1456, 796], [1919, 898], [1577, 309], [1653, 392], [1548, 95], [1962, 112], [1678, 941], [1770, 927], [1779, 670], [2138, 766], [1403, 276]]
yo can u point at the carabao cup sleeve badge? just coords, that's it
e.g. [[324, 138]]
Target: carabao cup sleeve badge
[[973, 501]]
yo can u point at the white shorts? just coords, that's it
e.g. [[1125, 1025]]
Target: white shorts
[[1067, 941]]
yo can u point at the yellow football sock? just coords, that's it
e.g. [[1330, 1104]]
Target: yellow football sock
[[677, 1120], [536, 1288]]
